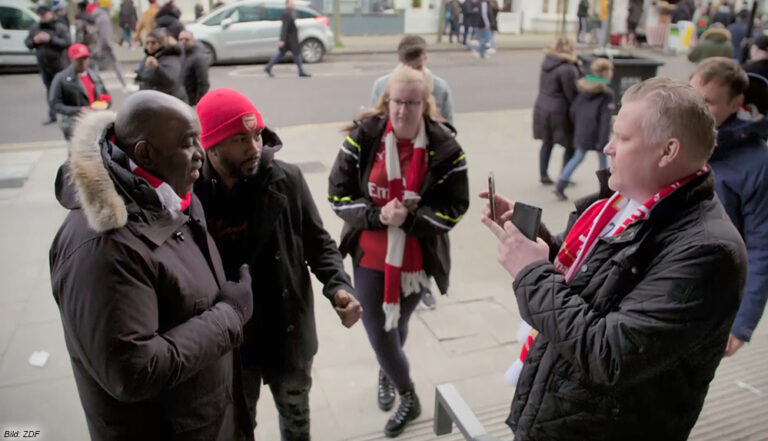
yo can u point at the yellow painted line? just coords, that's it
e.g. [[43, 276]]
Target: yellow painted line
[[35, 145]]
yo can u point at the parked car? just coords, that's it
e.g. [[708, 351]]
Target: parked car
[[16, 17], [250, 30]]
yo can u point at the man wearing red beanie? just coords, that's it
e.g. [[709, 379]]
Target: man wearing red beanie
[[260, 211]]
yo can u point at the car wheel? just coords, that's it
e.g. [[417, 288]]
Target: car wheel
[[209, 53], [312, 50]]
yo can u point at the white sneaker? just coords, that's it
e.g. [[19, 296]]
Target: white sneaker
[[130, 88], [490, 51]]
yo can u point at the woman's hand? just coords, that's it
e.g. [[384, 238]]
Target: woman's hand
[[151, 62], [393, 214]]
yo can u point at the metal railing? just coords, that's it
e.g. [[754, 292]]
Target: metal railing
[[451, 409]]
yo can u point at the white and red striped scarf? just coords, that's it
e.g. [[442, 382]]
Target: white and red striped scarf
[[172, 202], [395, 280], [581, 241]]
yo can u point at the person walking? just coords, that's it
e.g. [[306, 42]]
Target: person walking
[[557, 91], [484, 29], [591, 114], [50, 40], [289, 41], [471, 18], [582, 14], [147, 22], [260, 211], [101, 16], [169, 17], [128, 20], [161, 68], [87, 33], [400, 184], [194, 68], [454, 7], [715, 42]]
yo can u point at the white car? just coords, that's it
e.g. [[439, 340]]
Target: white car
[[16, 17], [250, 30]]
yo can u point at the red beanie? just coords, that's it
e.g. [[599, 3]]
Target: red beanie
[[225, 112]]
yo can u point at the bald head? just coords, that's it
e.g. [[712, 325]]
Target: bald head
[[187, 39], [161, 134]]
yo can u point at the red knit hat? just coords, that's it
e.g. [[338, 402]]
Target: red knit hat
[[225, 112]]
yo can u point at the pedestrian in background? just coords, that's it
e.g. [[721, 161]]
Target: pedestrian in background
[[740, 163], [722, 13], [128, 20], [591, 114], [104, 23], [194, 68], [87, 33], [59, 8], [634, 14], [289, 41], [260, 211], [715, 42], [147, 22], [161, 68], [471, 17], [199, 10], [400, 185], [758, 57], [454, 8], [582, 14], [169, 17], [50, 40], [77, 88], [557, 91], [738, 30], [484, 29]]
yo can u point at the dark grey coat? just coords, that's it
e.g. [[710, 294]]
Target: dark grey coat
[[289, 33], [627, 348], [194, 73], [557, 90], [591, 115], [167, 77]]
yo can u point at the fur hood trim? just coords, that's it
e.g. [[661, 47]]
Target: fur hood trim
[[103, 206], [716, 34], [585, 86], [568, 58]]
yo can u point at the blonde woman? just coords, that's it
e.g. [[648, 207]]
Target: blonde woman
[[400, 184]]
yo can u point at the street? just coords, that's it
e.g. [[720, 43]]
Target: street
[[469, 340]]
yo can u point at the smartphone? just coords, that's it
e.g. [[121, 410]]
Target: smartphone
[[527, 219], [492, 195]]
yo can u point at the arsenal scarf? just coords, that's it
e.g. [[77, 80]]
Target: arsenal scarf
[[581, 241], [172, 202], [395, 280]]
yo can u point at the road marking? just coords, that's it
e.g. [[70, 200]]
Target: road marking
[[34, 145]]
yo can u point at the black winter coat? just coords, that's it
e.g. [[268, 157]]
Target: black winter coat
[[444, 194], [289, 34], [627, 348], [151, 348], [167, 77], [557, 91], [168, 17], [51, 56], [472, 13], [194, 73], [68, 96], [128, 16], [591, 115], [270, 221]]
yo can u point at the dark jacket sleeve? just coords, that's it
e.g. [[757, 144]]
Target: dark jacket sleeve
[[201, 77], [320, 250], [568, 76], [688, 294], [345, 194], [448, 206], [754, 211], [34, 30], [168, 72], [604, 119], [60, 38], [56, 97], [286, 17], [111, 318]]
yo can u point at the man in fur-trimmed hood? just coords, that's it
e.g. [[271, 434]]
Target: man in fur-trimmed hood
[[715, 42], [149, 320]]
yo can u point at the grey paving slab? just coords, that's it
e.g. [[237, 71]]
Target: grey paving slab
[[10, 314], [14, 366]]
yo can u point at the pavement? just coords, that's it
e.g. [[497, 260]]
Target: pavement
[[468, 340], [373, 44]]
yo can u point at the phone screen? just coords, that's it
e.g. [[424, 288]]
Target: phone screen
[[492, 195]]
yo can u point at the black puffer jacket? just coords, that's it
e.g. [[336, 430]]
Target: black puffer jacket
[[167, 77], [151, 348], [591, 115], [270, 222], [51, 56], [444, 194], [194, 73], [627, 349], [557, 90], [169, 17]]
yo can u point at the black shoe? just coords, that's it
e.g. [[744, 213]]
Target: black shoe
[[304, 75], [409, 410], [386, 395], [545, 180], [428, 300], [269, 72], [49, 121], [559, 193]]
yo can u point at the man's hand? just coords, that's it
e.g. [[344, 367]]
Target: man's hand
[[347, 307], [504, 208], [734, 344], [151, 62], [393, 214], [515, 250], [42, 37], [239, 295], [280, 43]]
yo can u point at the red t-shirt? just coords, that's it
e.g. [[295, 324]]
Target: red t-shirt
[[373, 243], [90, 90]]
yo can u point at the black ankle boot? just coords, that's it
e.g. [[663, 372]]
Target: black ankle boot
[[409, 410], [386, 395]]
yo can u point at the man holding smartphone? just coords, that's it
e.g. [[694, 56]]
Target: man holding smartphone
[[633, 303]]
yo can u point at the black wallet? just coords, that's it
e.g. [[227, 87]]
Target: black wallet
[[527, 219]]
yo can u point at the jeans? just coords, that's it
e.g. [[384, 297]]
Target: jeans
[[571, 166], [546, 152], [281, 53], [48, 75], [466, 32], [291, 395], [486, 35], [110, 59], [127, 36], [388, 346], [582, 29]]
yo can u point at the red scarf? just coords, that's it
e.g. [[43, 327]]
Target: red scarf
[[173, 202]]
